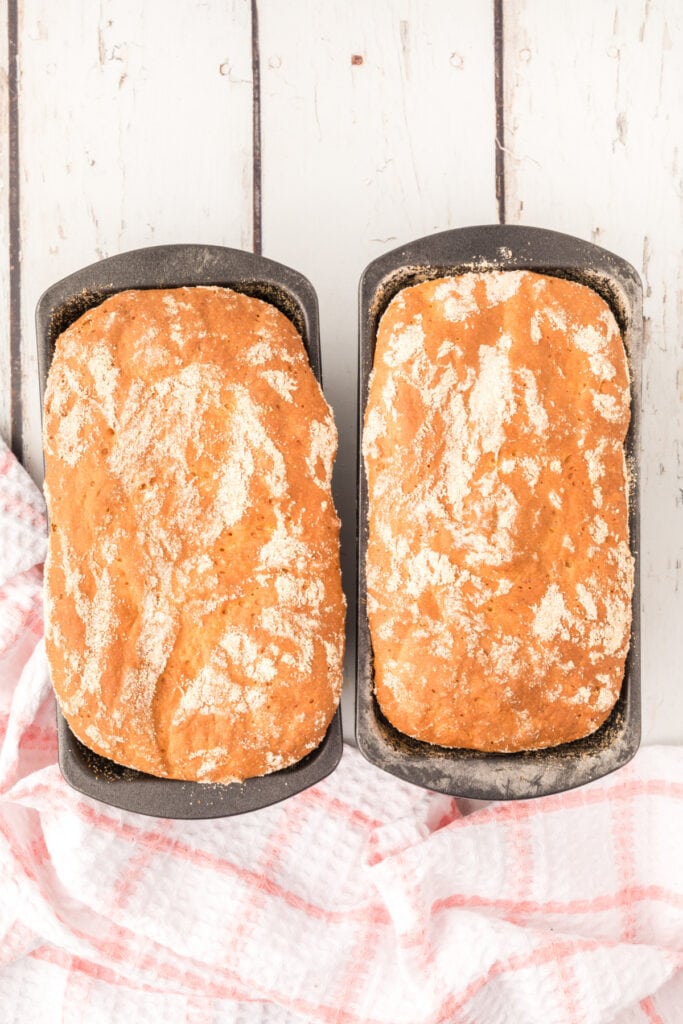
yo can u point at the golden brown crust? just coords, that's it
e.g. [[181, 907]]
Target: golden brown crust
[[194, 606], [498, 565]]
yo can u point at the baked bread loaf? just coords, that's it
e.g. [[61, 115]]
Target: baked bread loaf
[[193, 593], [499, 574]]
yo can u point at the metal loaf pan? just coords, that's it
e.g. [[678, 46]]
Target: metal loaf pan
[[470, 773], [172, 266]]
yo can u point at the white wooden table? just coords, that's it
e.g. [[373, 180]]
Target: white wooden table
[[324, 133]]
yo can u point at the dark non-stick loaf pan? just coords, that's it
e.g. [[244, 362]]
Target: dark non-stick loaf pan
[[172, 266], [471, 773]]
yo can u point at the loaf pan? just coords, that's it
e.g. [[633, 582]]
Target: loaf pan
[[470, 773], [172, 266]]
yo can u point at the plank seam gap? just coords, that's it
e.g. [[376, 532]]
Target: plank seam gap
[[498, 53], [257, 239], [14, 219]]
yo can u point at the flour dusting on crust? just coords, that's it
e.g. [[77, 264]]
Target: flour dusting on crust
[[195, 613], [498, 568]]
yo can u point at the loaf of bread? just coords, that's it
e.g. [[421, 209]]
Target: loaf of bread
[[193, 593], [499, 574]]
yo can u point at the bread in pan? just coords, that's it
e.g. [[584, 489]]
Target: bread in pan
[[193, 593], [499, 574]]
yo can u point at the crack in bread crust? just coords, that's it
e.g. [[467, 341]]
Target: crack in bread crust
[[193, 592], [499, 574]]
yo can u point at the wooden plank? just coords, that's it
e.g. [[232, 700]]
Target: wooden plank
[[594, 147], [378, 126], [136, 129], [5, 348]]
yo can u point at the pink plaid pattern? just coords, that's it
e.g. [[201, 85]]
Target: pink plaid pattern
[[361, 901]]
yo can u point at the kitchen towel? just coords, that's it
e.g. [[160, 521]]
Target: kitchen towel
[[363, 900]]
